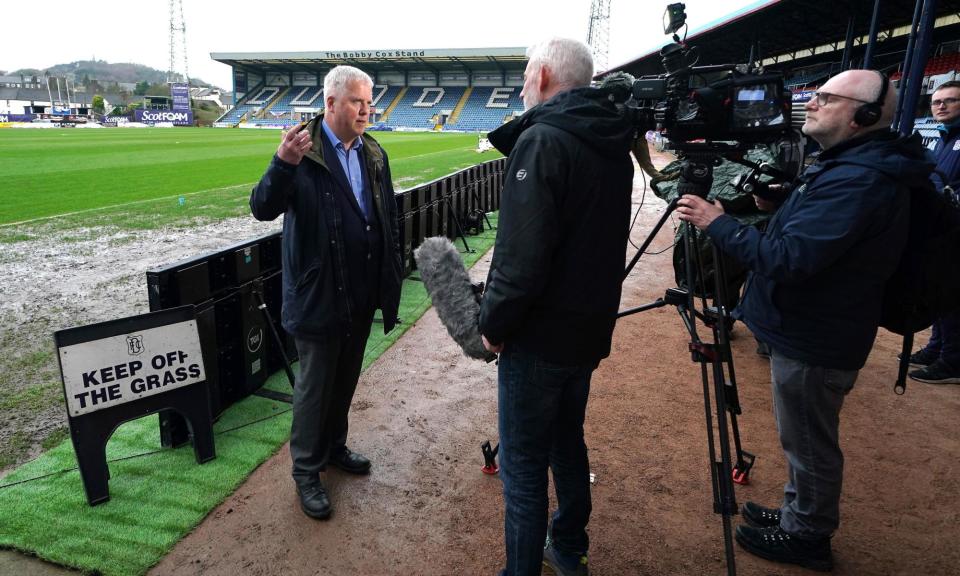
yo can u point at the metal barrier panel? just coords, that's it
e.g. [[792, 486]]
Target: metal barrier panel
[[428, 205], [406, 237]]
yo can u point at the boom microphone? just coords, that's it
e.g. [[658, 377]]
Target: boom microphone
[[453, 295]]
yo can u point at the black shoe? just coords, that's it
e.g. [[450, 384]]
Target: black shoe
[[937, 373], [763, 350], [313, 500], [760, 516], [773, 543], [576, 566], [922, 357], [350, 462]]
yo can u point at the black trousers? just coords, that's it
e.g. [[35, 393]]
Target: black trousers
[[329, 370]]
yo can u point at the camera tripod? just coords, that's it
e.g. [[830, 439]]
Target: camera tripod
[[715, 359]]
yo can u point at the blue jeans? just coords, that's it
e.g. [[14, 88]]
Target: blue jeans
[[945, 339], [806, 401], [541, 414]]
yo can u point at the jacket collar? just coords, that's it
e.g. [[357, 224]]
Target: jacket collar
[[842, 147], [374, 155]]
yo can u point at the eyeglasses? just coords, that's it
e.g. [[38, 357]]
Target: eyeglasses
[[823, 98], [944, 102]]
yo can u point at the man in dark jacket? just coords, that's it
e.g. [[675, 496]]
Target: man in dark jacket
[[814, 294], [552, 295], [939, 361], [341, 261]]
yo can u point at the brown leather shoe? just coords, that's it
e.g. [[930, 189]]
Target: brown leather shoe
[[349, 461]]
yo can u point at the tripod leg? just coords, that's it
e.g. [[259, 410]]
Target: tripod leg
[[456, 222], [653, 233], [258, 292], [696, 177], [476, 198], [744, 460]]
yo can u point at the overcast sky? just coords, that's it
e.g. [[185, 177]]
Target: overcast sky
[[123, 31]]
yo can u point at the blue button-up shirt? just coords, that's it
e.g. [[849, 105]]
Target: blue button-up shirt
[[350, 162]]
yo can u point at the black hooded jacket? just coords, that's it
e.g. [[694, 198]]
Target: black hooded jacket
[[554, 284]]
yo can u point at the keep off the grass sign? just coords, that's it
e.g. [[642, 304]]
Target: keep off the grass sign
[[119, 369]]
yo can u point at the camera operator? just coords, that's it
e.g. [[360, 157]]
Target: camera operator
[[552, 295], [816, 281], [939, 361]]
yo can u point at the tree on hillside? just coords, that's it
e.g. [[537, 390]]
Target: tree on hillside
[[159, 89], [142, 88], [97, 104]]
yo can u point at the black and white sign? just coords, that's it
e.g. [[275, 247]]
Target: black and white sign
[[115, 370], [124, 369]]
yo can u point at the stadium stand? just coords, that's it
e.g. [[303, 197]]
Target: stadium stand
[[809, 77], [386, 103], [488, 107], [240, 110], [306, 96], [264, 95], [453, 89], [420, 106], [936, 65]]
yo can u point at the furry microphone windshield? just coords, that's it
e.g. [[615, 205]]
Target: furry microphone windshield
[[452, 293]]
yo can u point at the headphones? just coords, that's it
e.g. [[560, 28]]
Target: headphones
[[869, 114]]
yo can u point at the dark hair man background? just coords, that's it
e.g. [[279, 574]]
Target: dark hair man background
[[814, 294], [341, 261], [552, 295], [939, 361]]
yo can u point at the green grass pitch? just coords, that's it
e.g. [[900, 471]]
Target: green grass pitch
[[145, 178], [62, 171]]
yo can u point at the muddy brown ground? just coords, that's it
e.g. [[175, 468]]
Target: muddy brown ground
[[423, 409]]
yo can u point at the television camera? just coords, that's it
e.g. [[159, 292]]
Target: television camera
[[719, 108]]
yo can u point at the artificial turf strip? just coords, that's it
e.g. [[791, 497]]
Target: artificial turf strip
[[155, 499]]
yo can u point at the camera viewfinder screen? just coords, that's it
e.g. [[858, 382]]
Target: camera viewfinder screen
[[756, 106]]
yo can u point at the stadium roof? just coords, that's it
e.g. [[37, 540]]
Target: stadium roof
[[389, 60], [797, 30]]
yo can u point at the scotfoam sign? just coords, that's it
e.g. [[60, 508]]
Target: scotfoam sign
[[182, 118], [181, 97], [103, 373]]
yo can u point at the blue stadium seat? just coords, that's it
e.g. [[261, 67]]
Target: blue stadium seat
[[487, 108], [382, 101], [420, 104]]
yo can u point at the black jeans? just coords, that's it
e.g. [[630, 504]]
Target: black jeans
[[329, 370]]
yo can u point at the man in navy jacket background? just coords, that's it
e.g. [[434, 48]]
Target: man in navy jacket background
[[939, 361]]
